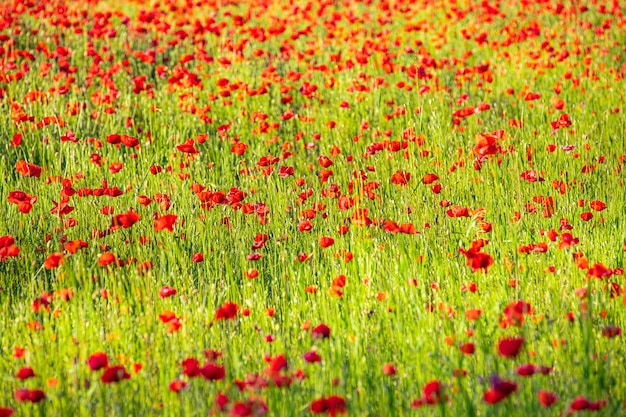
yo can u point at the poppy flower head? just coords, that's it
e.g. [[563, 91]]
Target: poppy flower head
[[28, 169], [500, 390], [98, 361], [25, 373], [29, 395], [326, 241], [433, 392], [165, 222], [333, 405], [321, 331], [228, 311], [510, 347], [115, 373], [546, 398]]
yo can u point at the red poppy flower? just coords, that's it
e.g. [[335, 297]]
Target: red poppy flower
[[597, 205], [187, 147], [165, 222], [429, 178], [401, 178], [486, 144], [213, 372], [472, 314], [6, 412], [25, 373], [28, 169], [115, 373], [457, 211], [586, 216], [98, 361], [546, 398], [326, 241], [28, 395], [321, 331], [23, 201], [312, 357], [239, 148], [332, 405], [510, 347], [191, 367], [389, 369], [177, 385], [227, 311], [500, 389], [324, 161], [599, 271], [106, 259], [8, 248], [124, 220], [467, 347], [54, 260], [476, 259], [611, 331], [167, 291], [527, 370], [562, 122], [433, 392], [75, 245]]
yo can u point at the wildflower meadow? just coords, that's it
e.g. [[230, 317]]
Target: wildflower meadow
[[300, 208]]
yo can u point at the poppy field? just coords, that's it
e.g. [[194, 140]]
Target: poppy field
[[299, 208]]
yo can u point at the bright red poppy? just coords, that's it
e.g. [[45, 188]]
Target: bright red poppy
[[98, 360], [165, 222]]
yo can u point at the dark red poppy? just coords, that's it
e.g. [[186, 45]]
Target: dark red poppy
[[115, 373], [213, 372], [332, 405], [510, 347], [29, 395], [611, 331], [312, 357], [321, 331], [526, 370], [500, 389], [6, 412]]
